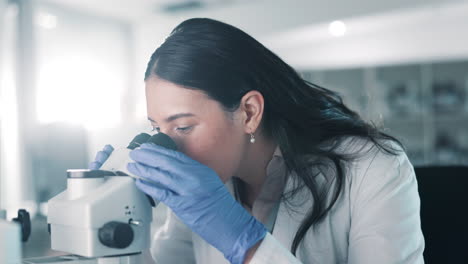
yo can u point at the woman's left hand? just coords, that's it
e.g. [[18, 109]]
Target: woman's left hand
[[198, 197]]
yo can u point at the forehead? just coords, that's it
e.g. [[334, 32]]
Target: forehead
[[165, 98]]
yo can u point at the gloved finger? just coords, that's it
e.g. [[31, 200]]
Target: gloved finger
[[168, 152], [158, 160], [95, 165], [154, 175], [157, 193]]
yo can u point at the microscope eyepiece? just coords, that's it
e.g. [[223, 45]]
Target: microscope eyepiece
[[138, 140], [163, 140]]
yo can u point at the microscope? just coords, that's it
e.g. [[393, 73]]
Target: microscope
[[102, 217], [10, 247]]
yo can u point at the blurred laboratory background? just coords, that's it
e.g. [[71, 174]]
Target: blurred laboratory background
[[71, 77]]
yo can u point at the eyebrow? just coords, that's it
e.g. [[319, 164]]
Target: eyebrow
[[174, 117]]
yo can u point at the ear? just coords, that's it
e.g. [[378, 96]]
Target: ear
[[252, 105]]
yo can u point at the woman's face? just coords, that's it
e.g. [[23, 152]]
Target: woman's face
[[198, 124]]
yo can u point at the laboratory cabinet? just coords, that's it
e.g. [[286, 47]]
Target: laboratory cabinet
[[425, 105]]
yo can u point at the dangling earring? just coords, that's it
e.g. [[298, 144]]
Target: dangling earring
[[252, 138]]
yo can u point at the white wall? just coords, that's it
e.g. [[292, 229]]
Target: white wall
[[2, 23], [379, 32], [416, 35]]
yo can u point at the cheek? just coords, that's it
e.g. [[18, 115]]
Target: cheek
[[219, 149]]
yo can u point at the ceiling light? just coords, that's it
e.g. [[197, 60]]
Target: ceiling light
[[337, 28], [46, 21]]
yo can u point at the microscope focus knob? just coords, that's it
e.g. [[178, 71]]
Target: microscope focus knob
[[116, 235]]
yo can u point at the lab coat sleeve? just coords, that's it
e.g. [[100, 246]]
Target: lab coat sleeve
[[385, 213], [271, 251], [172, 243]]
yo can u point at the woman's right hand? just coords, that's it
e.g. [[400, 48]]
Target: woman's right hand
[[101, 157]]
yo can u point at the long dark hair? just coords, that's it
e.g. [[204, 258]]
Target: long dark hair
[[301, 117]]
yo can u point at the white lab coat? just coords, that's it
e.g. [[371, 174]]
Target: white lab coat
[[375, 220]]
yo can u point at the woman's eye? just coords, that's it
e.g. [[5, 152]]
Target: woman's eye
[[184, 129]]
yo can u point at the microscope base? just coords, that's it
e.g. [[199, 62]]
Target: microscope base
[[73, 259]]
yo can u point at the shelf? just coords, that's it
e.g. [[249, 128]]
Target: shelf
[[410, 86]]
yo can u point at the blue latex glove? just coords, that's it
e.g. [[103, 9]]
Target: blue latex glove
[[198, 197], [101, 157]]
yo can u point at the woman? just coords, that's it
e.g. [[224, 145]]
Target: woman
[[270, 168]]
